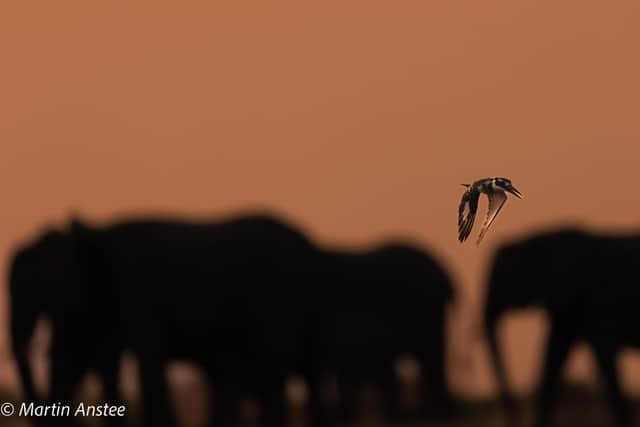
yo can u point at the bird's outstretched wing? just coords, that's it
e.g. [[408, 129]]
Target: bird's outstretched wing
[[496, 201], [467, 213]]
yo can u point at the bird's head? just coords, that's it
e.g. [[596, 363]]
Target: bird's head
[[505, 185]]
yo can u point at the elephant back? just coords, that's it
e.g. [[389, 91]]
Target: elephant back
[[550, 269], [416, 267]]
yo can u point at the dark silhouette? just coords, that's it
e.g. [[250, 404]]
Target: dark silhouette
[[249, 299], [381, 304], [44, 280], [224, 295], [586, 284]]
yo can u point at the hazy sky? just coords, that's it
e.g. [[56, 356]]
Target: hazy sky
[[357, 119]]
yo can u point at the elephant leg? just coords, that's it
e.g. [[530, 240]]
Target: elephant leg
[[389, 385], [224, 409], [157, 407], [109, 374], [272, 397], [605, 357], [313, 366], [66, 375], [320, 415], [557, 350], [348, 391], [432, 359]]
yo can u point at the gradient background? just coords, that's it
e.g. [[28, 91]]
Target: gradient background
[[357, 119]]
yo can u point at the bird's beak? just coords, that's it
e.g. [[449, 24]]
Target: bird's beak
[[466, 185], [513, 190]]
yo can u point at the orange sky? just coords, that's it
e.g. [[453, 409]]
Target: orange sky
[[358, 119]]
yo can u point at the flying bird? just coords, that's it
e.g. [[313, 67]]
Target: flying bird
[[495, 189]]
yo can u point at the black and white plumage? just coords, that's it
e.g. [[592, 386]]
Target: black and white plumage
[[495, 189]]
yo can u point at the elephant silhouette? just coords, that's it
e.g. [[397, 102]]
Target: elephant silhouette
[[42, 282], [227, 295], [249, 299], [586, 285], [380, 304]]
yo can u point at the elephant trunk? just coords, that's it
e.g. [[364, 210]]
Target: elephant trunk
[[26, 376], [20, 340]]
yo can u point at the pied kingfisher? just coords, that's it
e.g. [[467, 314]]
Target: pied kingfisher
[[495, 189]]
